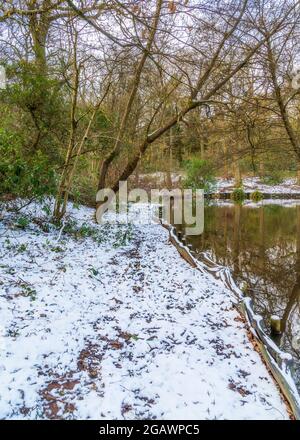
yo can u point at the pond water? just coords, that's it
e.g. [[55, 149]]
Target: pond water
[[261, 246]]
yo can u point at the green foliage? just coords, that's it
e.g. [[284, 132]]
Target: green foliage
[[123, 236], [79, 232], [256, 196], [274, 177], [35, 93], [86, 230], [83, 231], [102, 122], [47, 209], [57, 249], [199, 175], [31, 124], [22, 248], [93, 272], [22, 222], [28, 291], [23, 175], [274, 174], [238, 195]]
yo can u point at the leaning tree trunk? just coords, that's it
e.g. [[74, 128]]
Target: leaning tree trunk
[[134, 88], [292, 135]]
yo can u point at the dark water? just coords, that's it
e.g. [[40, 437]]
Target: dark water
[[261, 246]]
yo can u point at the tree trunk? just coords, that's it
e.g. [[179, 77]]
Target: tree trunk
[[192, 104], [280, 101], [298, 172], [237, 175], [226, 161], [261, 169], [62, 193], [134, 88], [170, 161]]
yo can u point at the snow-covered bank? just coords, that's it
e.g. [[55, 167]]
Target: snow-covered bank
[[110, 322], [251, 184], [222, 186]]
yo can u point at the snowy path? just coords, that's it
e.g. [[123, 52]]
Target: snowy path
[[97, 331]]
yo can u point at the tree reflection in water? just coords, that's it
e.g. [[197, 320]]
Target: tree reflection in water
[[262, 248]]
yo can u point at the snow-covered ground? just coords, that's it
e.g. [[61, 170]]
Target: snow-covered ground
[[251, 184], [109, 322], [161, 177]]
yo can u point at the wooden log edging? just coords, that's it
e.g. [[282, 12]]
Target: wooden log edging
[[279, 362]]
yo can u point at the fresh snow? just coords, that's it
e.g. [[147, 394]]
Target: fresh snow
[[120, 328], [251, 184]]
